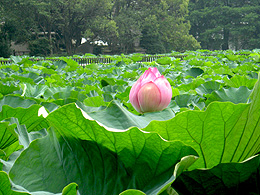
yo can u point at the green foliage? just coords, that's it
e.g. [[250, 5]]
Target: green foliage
[[6, 186], [126, 26], [67, 19], [225, 176], [165, 28], [4, 48], [65, 129], [40, 47], [225, 24], [151, 38]]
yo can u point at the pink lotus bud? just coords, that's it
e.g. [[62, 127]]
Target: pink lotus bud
[[152, 92]]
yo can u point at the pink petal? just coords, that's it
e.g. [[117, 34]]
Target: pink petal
[[149, 97], [165, 90], [148, 76], [133, 98], [156, 71]]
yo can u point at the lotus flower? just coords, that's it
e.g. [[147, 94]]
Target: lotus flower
[[152, 92]]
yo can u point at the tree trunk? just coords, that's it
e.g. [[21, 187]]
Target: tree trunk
[[68, 42], [225, 39], [50, 41], [68, 47]]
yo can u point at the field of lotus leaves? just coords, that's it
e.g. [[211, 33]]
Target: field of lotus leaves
[[70, 129]]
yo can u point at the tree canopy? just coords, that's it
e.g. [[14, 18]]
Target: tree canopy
[[225, 24], [159, 26], [156, 26]]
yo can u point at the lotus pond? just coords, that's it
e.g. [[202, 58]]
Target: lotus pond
[[70, 129]]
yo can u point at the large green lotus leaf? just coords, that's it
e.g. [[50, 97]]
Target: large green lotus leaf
[[16, 59], [235, 95], [70, 189], [27, 116], [224, 179], [21, 132], [3, 157], [49, 92], [130, 75], [71, 64], [232, 57], [48, 71], [95, 101], [225, 132], [34, 91], [132, 192], [70, 94], [15, 102], [7, 152], [136, 57], [7, 135], [222, 70], [8, 89], [62, 102], [11, 132], [115, 115], [190, 83], [25, 110], [5, 186], [12, 152], [255, 57], [25, 62], [98, 160], [238, 80], [164, 60], [56, 80], [105, 81], [110, 88], [185, 100], [49, 106], [60, 64], [194, 72], [246, 68], [35, 76], [179, 168], [207, 88], [23, 79]]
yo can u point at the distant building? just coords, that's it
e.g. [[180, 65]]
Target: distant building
[[85, 48], [88, 46], [20, 49], [101, 47]]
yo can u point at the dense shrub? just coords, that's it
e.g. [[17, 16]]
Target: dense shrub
[[5, 50], [39, 47]]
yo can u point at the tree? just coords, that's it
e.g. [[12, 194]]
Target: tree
[[175, 26], [71, 18], [4, 45], [127, 16], [4, 37], [19, 17], [151, 36], [226, 24], [68, 19], [160, 25], [19, 20]]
